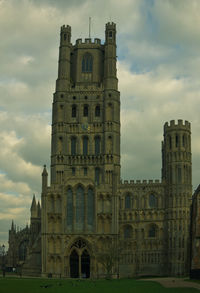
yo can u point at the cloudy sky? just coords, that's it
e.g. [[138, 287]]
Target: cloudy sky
[[158, 70]]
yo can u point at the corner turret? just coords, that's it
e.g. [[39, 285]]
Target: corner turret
[[44, 179]]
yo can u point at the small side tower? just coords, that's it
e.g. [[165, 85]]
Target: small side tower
[[177, 174], [63, 80], [110, 71]]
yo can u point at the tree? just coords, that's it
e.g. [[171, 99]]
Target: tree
[[109, 258]]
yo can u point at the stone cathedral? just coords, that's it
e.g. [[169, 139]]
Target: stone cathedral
[[86, 209]]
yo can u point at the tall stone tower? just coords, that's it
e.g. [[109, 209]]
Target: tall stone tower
[[177, 175], [81, 202]]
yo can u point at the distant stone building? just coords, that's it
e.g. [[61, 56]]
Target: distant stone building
[[87, 209]]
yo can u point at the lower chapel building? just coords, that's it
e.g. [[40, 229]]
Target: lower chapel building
[[88, 215]]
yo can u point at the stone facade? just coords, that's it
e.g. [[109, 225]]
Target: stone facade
[[87, 208]]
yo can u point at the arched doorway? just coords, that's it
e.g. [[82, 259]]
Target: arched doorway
[[74, 264], [85, 264]]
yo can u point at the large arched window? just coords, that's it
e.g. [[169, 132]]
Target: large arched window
[[97, 145], [79, 209], [90, 209], [85, 145], [69, 209], [128, 232], [87, 63], [152, 201], [23, 250], [127, 201], [73, 146]]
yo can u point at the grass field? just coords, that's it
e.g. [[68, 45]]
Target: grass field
[[23, 285]]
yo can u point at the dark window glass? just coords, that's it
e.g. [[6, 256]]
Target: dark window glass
[[74, 111], [97, 176], [85, 171], [176, 140], [152, 231], [73, 171], [85, 111], [97, 145], [69, 209], [152, 201], [85, 145], [127, 232], [87, 63], [73, 146], [97, 111], [110, 34], [127, 201], [170, 142]]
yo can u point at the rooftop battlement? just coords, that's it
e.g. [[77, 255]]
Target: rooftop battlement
[[96, 41], [65, 28], [110, 25], [180, 125], [141, 182]]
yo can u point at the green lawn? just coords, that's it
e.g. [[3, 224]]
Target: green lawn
[[18, 285]]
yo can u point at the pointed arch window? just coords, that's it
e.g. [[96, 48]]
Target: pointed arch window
[[85, 111], [97, 111], [127, 201], [85, 145], [73, 146], [97, 145], [87, 63], [90, 209], [69, 209], [152, 201]]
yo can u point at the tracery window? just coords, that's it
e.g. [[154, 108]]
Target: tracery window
[[23, 250], [79, 208], [87, 63]]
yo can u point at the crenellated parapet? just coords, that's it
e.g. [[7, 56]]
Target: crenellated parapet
[[173, 126], [140, 182]]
